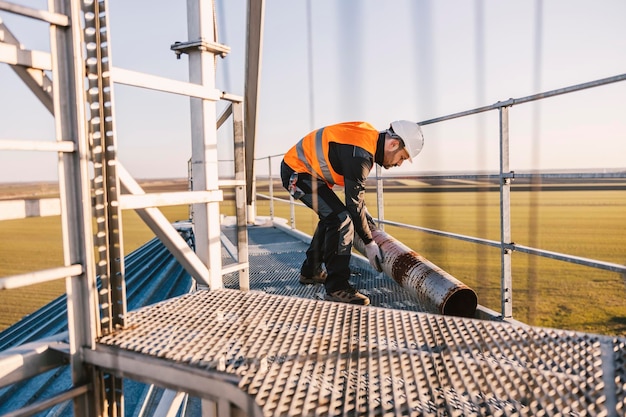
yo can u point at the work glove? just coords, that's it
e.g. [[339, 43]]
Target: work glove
[[374, 255]]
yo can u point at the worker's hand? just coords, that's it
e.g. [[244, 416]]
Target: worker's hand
[[374, 255]]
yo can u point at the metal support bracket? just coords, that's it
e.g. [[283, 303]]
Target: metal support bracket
[[507, 177], [180, 48], [508, 247]]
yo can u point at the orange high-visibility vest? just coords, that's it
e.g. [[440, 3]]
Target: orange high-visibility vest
[[310, 154]]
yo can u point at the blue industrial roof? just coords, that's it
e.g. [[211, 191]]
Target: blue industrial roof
[[152, 275]]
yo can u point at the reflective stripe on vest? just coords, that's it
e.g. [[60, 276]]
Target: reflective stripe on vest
[[310, 154]]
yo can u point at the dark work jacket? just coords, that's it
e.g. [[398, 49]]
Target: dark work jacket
[[355, 164]]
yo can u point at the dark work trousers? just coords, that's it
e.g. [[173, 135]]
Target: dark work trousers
[[334, 234]]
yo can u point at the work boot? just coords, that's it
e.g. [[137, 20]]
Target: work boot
[[348, 295], [318, 278]]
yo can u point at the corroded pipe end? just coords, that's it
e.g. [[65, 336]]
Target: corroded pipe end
[[435, 288], [461, 303]]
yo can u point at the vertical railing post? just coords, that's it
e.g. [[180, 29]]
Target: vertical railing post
[[254, 48], [190, 187], [271, 187], [240, 194], [380, 202], [292, 212], [505, 217]]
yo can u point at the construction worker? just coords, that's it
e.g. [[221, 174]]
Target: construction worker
[[343, 154]]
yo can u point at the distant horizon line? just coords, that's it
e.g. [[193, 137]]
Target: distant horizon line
[[583, 173]]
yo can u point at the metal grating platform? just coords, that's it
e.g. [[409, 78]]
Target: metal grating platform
[[301, 357], [275, 259]]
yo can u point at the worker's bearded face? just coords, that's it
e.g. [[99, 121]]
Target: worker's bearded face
[[394, 154]]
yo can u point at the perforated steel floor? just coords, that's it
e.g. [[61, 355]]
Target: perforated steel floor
[[306, 357], [275, 260], [299, 356]]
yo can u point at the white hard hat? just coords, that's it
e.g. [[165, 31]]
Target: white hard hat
[[411, 135]]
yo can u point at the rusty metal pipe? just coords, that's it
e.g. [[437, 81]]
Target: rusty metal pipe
[[436, 289]]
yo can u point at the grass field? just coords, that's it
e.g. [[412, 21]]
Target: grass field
[[546, 292], [33, 244]]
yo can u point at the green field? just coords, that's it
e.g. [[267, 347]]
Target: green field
[[546, 292], [33, 244]]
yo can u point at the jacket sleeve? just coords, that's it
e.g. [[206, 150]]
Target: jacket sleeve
[[355, 175]]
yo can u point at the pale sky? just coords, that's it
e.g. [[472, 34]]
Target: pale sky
[[371, 60]]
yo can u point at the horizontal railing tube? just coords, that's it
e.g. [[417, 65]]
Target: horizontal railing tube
[[435, 288]]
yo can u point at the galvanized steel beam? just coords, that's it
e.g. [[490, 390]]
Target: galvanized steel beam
[[58, 19], [167, 85], [240, 194], [30, 410], [254, 46], [68, 78], [26, 361], [204, 383], [204, 160], [35, 79], [21, 209], [164, 230], [14, 55], [38, 277], [173, 198], [32, 145]]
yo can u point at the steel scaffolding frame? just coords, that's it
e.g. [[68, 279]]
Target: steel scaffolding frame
[[81, 55], [387, 345]]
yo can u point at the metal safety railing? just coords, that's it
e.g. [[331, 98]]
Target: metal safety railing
[[504, 178]]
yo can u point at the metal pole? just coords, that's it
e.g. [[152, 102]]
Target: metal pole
[[190, 187], [506, 285], [204, 160], [240, 195], [271, 187], [254, 45], [292, 212], [379, 198], [534, 97], [68, 71]]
